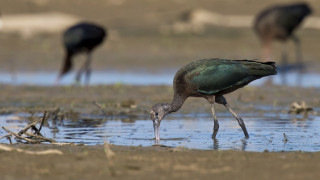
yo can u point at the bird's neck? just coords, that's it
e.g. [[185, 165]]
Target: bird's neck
[[177, 102]]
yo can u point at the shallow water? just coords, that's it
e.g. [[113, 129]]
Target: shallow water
[[144, 78], [192, 131]]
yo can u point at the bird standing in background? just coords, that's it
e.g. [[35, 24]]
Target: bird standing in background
[[211, 79], [82, 37], [279, 23]]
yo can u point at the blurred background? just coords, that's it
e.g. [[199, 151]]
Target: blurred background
[[149, 36]]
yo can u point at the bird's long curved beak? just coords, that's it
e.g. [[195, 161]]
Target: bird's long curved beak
[[156, 127]]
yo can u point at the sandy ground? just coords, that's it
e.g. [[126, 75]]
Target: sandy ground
[[92, 162], [136, 43], [136, 100]]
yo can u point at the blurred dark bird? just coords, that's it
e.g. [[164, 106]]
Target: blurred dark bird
[[82, 37], [279, 23], [211, 79]]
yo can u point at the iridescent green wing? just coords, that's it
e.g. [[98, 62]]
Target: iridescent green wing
[[212, 76]]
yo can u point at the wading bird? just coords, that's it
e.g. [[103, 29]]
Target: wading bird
[[279, 23], [82, 37], [211, 79]]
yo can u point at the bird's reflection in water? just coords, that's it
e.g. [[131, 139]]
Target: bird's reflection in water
[[243, 146], [215, 144]]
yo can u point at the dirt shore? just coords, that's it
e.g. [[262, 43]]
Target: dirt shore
[[92, 162], [128, 100]]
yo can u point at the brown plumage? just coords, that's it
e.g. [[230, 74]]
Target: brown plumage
[[278, 23]]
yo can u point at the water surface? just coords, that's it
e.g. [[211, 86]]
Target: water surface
[[145, 78], [192, 131]]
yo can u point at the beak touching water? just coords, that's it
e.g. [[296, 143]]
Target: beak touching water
[[156, 125]]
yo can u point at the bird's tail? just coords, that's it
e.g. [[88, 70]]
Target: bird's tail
[[273, 64], [261, 68]]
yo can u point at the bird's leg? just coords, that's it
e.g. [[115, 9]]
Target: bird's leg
[[85, 67], [299, 60], [284, 58], [266, 51], [284, 63], [88, 68], [222, 100], [78, 76], [216, 123], [298, 49], [215, 120]]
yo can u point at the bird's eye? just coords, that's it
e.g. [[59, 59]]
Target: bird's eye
[[156, 113]]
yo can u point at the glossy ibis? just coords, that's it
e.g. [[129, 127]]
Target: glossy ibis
[[278, 23], [211, 79], [82, 37]]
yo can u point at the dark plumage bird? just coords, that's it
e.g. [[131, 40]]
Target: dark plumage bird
[[82, 37], [279, 23], [211, 79]]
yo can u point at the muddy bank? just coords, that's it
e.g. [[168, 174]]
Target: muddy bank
[[84, 162], [136, 100]]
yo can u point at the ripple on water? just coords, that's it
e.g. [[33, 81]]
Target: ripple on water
[[190, 132]]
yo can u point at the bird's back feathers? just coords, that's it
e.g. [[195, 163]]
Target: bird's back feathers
[[83, 36], [214, 76]]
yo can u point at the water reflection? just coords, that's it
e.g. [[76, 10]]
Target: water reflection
[[215, 144], [190, 132]]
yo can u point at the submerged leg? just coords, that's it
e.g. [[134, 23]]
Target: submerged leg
[[215, 120], [222, 100]]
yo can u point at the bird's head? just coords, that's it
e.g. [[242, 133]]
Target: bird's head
[[157, 113]]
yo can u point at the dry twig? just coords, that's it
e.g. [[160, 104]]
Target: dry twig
[[40, 137], [33, 138], [33, 125], [28, 127], [5, 136], [8, 136], [21, 137]]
